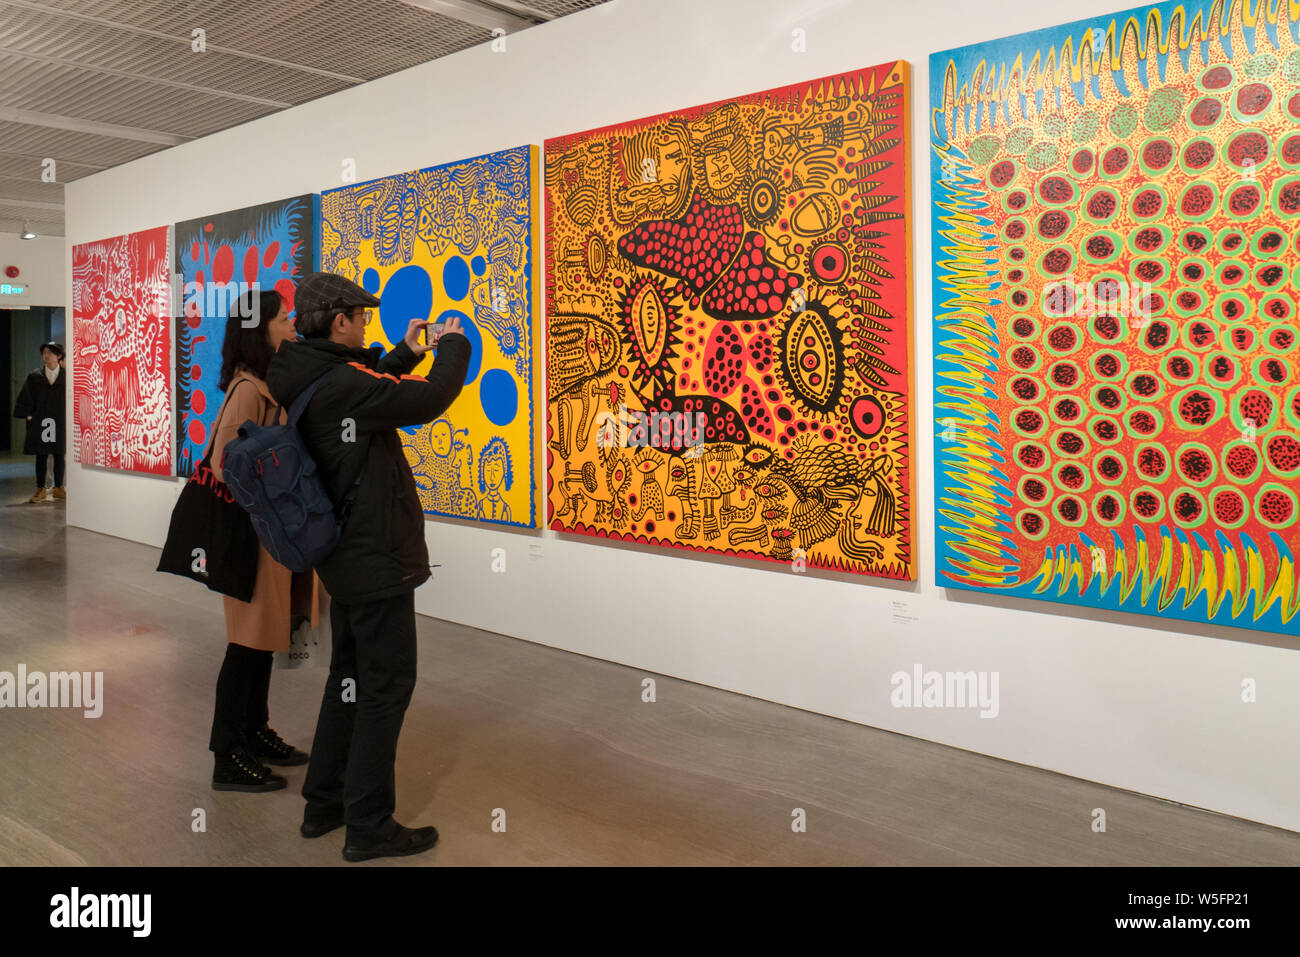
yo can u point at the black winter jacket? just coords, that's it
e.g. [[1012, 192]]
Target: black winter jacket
[[381, 551], [40, 401]]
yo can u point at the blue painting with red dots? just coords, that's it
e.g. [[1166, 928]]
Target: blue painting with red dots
[[271, 246]]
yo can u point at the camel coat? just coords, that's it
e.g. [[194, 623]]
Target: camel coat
[[278, 594]]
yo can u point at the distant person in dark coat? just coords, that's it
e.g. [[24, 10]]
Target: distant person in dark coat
[[42, 402]]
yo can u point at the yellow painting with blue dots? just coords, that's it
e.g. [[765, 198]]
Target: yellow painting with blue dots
[[455, 240]]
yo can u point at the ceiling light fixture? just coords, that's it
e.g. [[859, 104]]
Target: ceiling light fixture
[[27, 232]]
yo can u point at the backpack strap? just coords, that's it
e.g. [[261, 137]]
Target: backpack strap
[[300, 404], [216, 426], [296, 410]]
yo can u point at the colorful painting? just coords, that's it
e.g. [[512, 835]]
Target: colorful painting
[[121, 353], [220, 257], [1117, 378], [729, 327], [456, 240]]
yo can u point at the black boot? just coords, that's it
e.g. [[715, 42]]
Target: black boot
[[241, 771], [270, 748], [403, 842]]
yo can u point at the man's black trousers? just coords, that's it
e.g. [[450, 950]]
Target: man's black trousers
[[355, 747], [41, 463]]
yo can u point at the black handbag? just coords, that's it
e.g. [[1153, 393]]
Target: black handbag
[[211, 538]]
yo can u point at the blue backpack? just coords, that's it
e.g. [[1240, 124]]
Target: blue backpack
[[273, 477]]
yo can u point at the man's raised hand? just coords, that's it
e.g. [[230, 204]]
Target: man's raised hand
[[412, 337]]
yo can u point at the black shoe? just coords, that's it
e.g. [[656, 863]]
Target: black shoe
[[404, 842], [241, 771], [322, 826], [270, 748]]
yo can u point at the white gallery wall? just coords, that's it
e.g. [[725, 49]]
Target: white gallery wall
[[40, 270], [1124, 700]]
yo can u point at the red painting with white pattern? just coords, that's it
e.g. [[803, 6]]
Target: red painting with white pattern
[[121, 353]]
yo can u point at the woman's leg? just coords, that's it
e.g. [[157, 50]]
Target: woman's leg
[[58, 470], [257, 714], [235, 684], [263, 741], [40, 469], [236, 767]]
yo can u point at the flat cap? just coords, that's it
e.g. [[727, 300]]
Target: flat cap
[[327, 290]]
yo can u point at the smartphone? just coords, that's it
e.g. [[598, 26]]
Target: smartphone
[[432, 331]]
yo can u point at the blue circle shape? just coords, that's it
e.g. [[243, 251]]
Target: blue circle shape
[[370, 280], [408, 295], [475, 341], [499, 395], [479, 265], [455, 278]]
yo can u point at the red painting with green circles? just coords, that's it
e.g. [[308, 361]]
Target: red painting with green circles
[[1117, 364], [729, 328]]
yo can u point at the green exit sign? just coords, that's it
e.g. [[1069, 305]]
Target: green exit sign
[[9, 289]]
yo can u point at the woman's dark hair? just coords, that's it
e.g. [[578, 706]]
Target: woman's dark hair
[[246, 342]]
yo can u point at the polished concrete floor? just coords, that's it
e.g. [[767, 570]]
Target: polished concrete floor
[[586, 773]]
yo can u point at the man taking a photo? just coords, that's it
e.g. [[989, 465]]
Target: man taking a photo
[[349, 426]]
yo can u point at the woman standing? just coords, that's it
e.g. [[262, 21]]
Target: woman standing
[[42, 402], [241, 741]]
